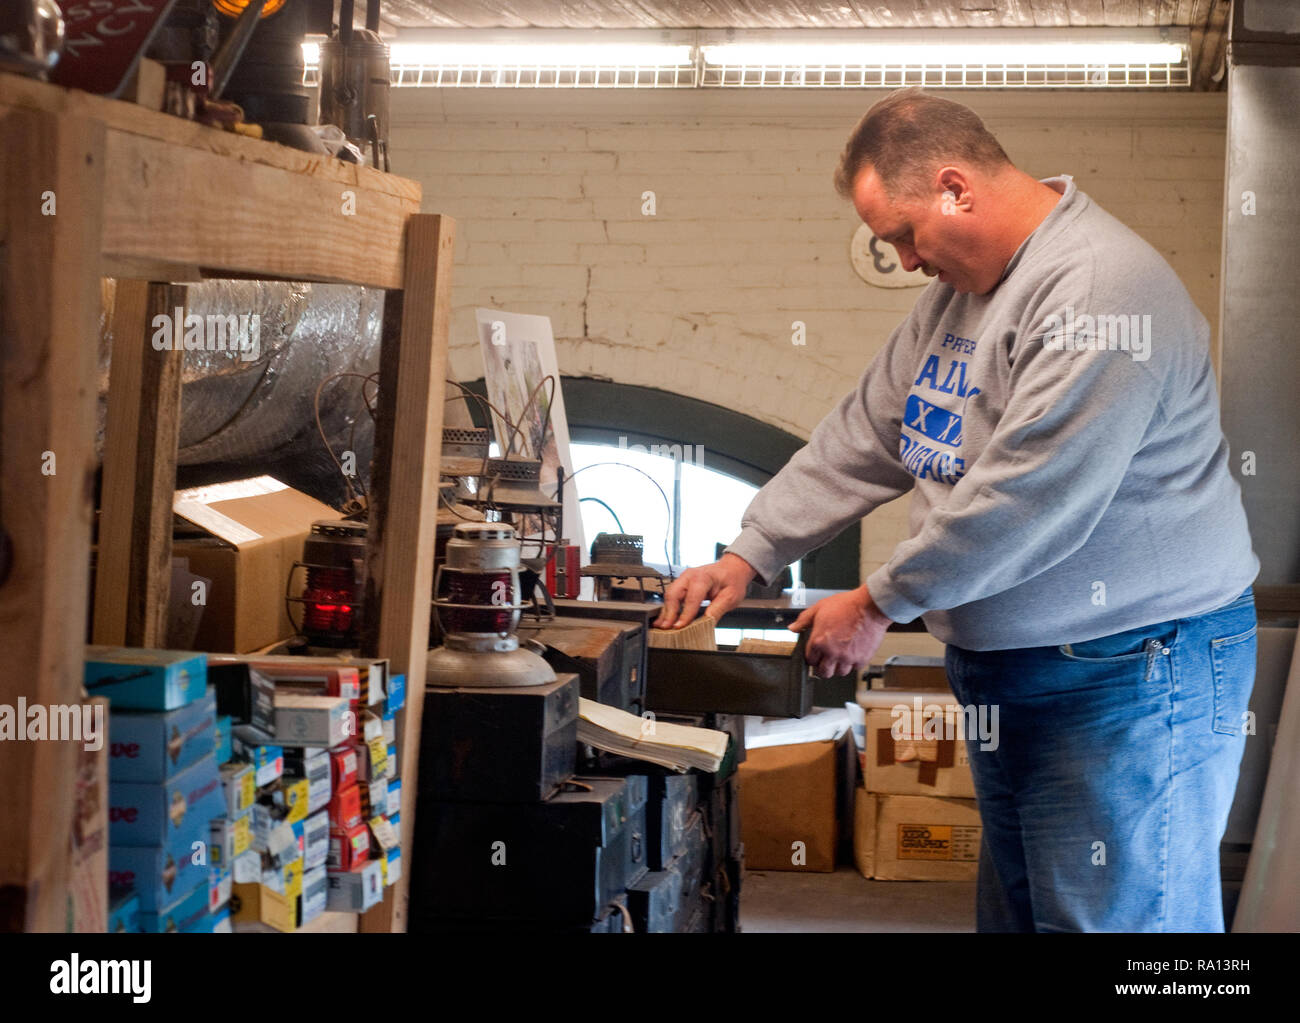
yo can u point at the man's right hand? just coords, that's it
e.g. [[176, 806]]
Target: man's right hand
[[723, 584]]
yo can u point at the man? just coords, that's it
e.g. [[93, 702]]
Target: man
[[1077, 539]]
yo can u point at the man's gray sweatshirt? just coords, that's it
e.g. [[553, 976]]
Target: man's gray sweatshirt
[[1061, 439]]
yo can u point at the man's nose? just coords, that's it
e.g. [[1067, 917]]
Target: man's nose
[[907, 256]]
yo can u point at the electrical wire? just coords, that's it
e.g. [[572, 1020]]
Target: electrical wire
[[607, 508], [667, 504], [364, 378]]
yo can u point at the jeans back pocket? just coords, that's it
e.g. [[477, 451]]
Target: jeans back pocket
[[1232, 660]]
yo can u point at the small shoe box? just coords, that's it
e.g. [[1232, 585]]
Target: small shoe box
[[187, 915], [135, 679], [163, 814], [304, 720], [356, 890], [158, 875], [267, 760], [155, 746]]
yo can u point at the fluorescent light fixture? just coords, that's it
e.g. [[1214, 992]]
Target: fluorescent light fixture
[[594, 54], [876, 53]]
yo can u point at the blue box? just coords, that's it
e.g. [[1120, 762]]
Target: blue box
[[220, 920], [158, 875], [396, 699], [124, 913], [222, 745], [158, 746], [187, 915], [135, 679], [167, 814]]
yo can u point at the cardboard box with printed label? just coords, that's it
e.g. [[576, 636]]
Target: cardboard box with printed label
[[255, 903], [158, 875], [152, 746], [304, 720], [187, 915], [788, 806], [356, 890], [865, 806], [169, 814], [245, 538], [136, 679], [915, 743], [926, 838]]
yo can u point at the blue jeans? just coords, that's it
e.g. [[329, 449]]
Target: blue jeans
[[1106, 798]]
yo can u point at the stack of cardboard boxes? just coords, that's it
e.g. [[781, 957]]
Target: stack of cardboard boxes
[[915, 816], [247, 794], [164, 786]]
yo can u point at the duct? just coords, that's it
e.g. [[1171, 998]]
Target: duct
[[245, 413], [1260, 373]]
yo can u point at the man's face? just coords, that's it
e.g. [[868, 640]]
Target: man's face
[[940, 244]]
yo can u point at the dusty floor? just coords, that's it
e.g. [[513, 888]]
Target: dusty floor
[[783, 901]]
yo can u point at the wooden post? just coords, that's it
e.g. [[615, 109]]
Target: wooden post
[[49, 288], [133, 565], [404, 500]]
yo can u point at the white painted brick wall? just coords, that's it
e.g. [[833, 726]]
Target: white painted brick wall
[[546, 188]]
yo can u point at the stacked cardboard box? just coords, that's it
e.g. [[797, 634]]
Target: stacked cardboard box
[[915, 815], [164, 786]]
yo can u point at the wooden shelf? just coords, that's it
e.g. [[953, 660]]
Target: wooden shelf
[[96, 187]]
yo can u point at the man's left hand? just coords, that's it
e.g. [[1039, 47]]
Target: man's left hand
[[846, 631]]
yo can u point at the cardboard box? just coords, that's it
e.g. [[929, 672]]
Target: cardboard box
[[219, 888], [123, 913], [155, 746], [285, 879], [345, 764], [267, 761], [314, 839], [223, 749], [247, 536], [788, 807], [864, 831], [914, 671], [924, 838], [345, 808], [392, 867], [170, 814], [355, 891], [187, 915], [159, 876], [244, 693], [247, 868], [396, 698], [221, 922], [915, 744], [239, 787], [88, 885], [255, 903], [302, 720], [137, 679], [230, 838], [394, 797], [348, 848], [315, 894], [313, 766]]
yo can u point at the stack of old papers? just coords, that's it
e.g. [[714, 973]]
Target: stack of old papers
[[660, 742]]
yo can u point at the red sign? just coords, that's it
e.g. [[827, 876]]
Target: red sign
[[103, 39]]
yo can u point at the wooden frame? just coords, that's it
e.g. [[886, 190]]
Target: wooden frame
[[145, 197]]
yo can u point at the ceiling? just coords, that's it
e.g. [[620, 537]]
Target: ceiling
[[1207, 19]]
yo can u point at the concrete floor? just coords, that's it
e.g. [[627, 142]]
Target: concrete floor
[[778, 901]]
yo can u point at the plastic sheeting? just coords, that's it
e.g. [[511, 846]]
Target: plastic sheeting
[[244, 416]]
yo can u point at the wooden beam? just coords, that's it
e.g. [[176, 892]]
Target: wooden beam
[[52, 171], [404, 500], [133, 564], [197, 208]]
